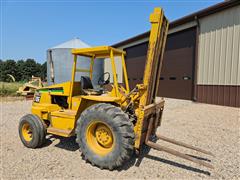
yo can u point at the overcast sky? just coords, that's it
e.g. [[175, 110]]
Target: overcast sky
[[29, 28]]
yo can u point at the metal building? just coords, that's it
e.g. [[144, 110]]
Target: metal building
[[60, 62], [202, 56]]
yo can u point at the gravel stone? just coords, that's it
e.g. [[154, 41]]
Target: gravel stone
[[211, 127]]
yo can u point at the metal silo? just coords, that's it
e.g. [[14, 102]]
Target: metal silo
[[60, 61]]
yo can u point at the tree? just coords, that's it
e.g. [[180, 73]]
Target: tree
[[8, 67], [1, 70], [19, 74], [22, 70], [30, 69], [44, 71]]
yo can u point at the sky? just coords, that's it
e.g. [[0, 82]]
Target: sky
[[29, 27]]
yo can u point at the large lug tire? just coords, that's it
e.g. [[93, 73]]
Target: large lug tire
[[32, 131], [105, 136]]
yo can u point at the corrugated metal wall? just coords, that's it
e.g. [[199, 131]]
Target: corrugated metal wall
[[218, 79], [219, 48]]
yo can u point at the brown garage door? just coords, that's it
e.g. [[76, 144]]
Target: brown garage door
[[135, 62], [177, 73]]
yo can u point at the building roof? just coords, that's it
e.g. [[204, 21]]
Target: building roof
[[73, 43], [191, 17]]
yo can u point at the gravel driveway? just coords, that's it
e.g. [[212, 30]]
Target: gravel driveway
[[214, 128]]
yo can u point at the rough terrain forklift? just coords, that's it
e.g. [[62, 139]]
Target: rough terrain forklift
[[109, 125]]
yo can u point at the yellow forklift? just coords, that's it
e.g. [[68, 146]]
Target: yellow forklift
[[109, 125]]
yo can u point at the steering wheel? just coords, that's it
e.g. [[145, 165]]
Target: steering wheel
[[102, 81]]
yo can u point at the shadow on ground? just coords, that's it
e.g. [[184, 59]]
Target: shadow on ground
[[145, 154], [70, 144]]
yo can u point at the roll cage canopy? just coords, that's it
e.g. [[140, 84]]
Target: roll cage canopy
[[101, 52], [98, 52]]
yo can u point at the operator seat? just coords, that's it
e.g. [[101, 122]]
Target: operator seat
[[87, 87]]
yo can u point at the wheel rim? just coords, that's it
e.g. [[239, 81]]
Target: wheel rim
[[100, 138], [27, 132]]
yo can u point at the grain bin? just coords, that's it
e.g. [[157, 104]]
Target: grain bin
[[61, 59]]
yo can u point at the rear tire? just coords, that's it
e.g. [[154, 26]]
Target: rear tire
[[32, 131], [105, 136]]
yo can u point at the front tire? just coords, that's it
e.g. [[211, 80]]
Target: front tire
[[105, 136], [32, 131]]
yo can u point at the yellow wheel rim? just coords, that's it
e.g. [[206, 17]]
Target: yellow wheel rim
[[100, 138], [27, 132]]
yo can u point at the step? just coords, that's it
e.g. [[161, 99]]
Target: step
[[60, 132], [64, 113]]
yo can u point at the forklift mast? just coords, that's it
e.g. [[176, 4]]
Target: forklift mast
[[150, 109], [154, 59]]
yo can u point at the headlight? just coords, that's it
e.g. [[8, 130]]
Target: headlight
[[37, 97]]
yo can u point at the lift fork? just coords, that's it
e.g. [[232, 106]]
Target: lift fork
[[156, 146]]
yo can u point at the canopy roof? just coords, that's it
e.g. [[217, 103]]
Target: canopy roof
[[98, 52]]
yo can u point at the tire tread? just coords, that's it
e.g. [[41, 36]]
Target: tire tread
[[125, 127]]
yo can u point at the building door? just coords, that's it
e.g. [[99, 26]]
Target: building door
[[177, 76], [135, 62]]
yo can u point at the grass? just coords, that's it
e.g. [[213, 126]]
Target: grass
[[9, 88]]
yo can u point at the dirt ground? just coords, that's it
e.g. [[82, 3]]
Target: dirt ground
[[214, 128]]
